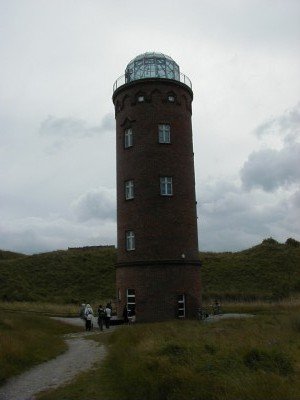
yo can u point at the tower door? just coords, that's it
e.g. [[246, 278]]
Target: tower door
[[181, 306], [131, 301]]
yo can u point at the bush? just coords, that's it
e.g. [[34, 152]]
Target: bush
[[270, 241], [292, 242]]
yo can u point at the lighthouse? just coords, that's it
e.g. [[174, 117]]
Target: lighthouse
[[158, 266]]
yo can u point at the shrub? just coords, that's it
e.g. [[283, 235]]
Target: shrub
[[269, 241], [292, 242]]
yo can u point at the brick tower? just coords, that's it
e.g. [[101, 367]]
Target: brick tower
[[158, 266]]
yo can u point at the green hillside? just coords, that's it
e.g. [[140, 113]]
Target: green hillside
[[268, 271], [8, 255], [68, 276]]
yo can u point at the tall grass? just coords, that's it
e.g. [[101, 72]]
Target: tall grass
[[28, 339], [71, 276], [268, 271], [257, 306], [252, 359], [66, 310], [50, 309]]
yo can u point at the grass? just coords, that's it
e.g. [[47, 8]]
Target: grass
[[27, 340], [47, 309], [51, 309], [269, 271], [257, 307], [251, 359], [71, 276], [9, 255]]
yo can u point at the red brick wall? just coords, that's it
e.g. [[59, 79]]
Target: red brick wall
[[156, 289], [165, 227]]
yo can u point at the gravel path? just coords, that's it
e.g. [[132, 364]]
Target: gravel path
[[215, 318], [80, 356]]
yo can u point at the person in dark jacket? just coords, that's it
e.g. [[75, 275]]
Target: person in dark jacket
[[101, 317], [125, 315]]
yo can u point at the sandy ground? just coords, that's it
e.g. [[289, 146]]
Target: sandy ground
[[80, 356]]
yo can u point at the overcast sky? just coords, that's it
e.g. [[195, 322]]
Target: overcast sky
[[59, 60]]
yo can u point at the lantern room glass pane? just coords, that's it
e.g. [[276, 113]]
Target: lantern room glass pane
[[152, 65]]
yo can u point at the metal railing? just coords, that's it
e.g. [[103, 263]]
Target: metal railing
[[122, 80]]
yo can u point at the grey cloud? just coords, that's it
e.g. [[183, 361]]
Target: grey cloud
[[235, 219], [108, 122], [286, 125], [270, 169], [32, 235], [296, 199], [96, 204], [63, 128]]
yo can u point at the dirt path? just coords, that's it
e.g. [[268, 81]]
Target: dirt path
[[80, 356]]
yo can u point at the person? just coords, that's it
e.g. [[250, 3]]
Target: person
[[89, 322], [101, 317], [131, 317], [125, 315], [216, 307], [107, 316], [88, 310], [88, 313]]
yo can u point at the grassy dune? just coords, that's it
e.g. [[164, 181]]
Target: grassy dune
[[9, 255], [268, 271], [250, 359], [27, 340], [70, 276], [50, 309]]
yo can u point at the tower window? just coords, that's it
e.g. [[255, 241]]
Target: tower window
[[130, 241], [166, 186], [181, 306], [129, 190], [164, 133], [128, 138], [141, 99]]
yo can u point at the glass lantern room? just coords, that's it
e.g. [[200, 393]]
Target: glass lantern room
[[152, 65]]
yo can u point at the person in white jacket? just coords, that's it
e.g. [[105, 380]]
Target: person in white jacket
[[107, 316], [88, 317]]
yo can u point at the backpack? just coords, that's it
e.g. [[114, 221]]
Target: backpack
[[101, 313]]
